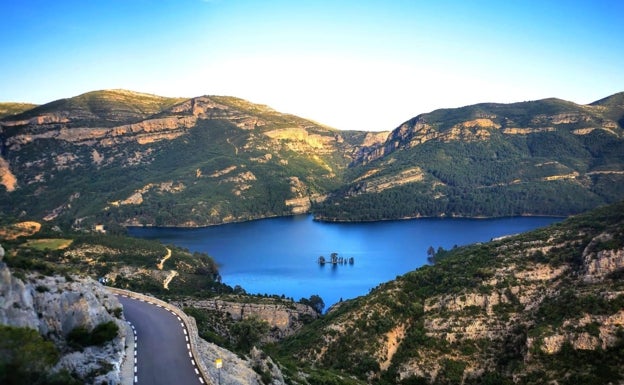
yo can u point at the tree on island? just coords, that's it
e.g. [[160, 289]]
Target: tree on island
[[431, 255]]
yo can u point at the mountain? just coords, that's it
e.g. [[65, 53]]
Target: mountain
[[8, 109], [542, 307], [99, 108], [120, 157], [545, 157], [135, 159]]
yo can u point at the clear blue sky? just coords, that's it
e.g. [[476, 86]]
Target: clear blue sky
[[360, 64]]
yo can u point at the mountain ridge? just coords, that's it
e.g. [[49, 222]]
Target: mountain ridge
[[254, 161], [488, 159], [489, 152]]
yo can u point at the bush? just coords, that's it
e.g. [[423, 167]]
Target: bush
[[248, 332], [81, 337], [25, 357], [104, 332]]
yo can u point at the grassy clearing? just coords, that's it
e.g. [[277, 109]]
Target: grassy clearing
[[49, 244]]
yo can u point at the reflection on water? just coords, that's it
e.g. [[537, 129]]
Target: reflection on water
[[280, 255]]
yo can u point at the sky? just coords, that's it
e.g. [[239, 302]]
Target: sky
[[349, 64]]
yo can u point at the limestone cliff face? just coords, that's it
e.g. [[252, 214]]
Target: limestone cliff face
[[7, 179], [17, 306], [479, 122], [237, 370], [55, 306], [255, 161], [284, 319], [143, 132], [601, 263]]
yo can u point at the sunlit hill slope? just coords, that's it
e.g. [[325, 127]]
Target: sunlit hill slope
[[121, 157]]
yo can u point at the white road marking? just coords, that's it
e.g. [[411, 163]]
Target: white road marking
[[188, 346]]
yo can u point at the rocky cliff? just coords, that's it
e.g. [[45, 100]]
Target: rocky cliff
[[283, 317], [255, 161], [481, 121], [108, 157], [255, 369], [489, 160], [56, 305]]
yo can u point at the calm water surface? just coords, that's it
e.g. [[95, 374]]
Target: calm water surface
[[279, 255]]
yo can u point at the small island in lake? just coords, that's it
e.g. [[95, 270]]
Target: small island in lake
[[334, 259]]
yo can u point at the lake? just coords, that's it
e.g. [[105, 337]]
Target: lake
[[279, 255]]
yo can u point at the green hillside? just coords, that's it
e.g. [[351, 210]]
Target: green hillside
[[546, 157], [101, 108], [134, 159], [117, 260], [121, 157], [541, 307], [9, 109]]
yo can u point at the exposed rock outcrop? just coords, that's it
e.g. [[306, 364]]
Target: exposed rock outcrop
[[237, 370], [57, 305], [283, 318], [7, 179], [598, 264]]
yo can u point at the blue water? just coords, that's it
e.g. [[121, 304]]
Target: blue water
[[279, 255]]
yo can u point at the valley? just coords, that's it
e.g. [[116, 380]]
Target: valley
[[123, 158], [541, 306]]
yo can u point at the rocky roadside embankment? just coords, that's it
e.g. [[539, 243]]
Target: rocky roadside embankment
[[56, 305], [284, 319]]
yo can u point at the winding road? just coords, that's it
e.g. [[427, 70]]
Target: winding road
[[162, 345]]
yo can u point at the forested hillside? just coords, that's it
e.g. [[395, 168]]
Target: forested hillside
[[542, 307], [546, 157], [124, 158], [118, 157]]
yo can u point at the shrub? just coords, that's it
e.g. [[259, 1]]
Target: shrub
[[81, 337], [25, 357], [248, 332], [104, 332]]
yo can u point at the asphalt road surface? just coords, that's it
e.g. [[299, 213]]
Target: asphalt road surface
[[162, 351]]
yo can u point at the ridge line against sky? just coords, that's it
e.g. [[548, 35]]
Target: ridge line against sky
[[364, 65]]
